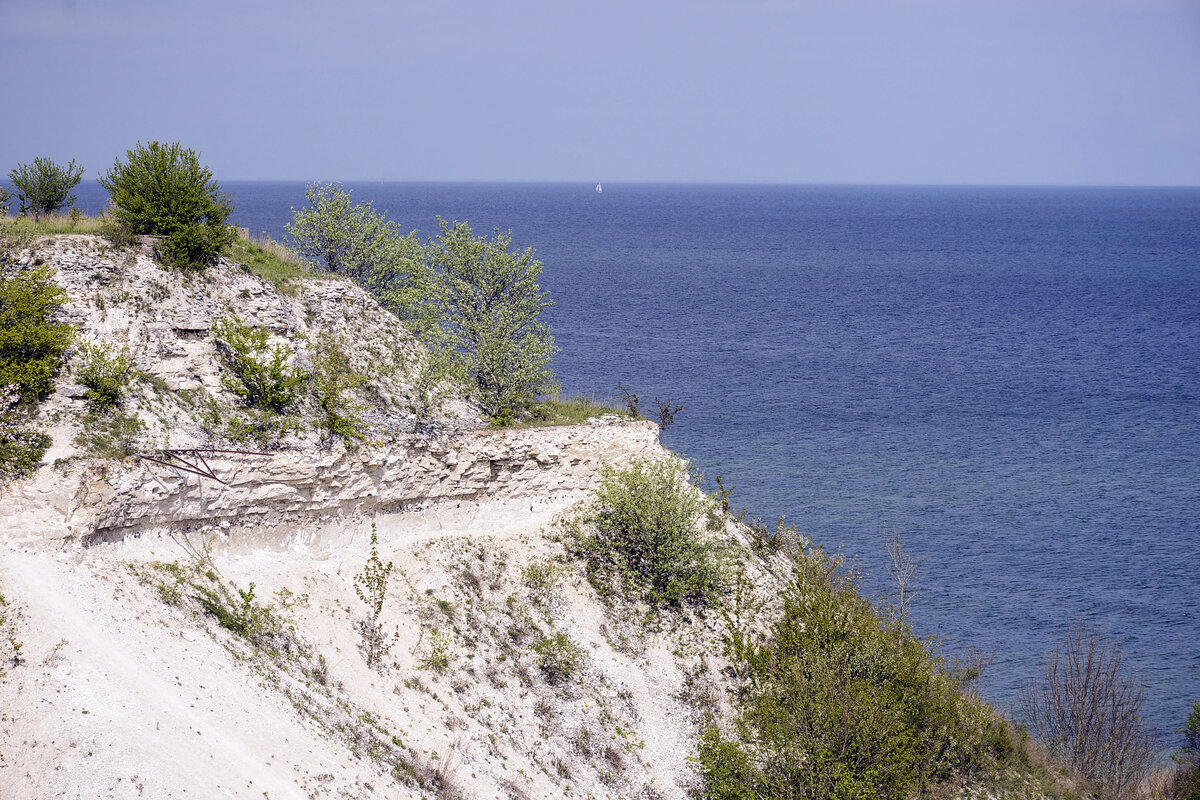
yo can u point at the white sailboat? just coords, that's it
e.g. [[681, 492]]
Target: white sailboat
[[599, 188]]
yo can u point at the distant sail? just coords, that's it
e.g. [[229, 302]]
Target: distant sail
[[599, 188]]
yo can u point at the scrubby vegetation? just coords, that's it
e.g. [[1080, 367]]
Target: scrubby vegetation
[[844, 701], [31, 343], [261, 375], [648, 536], [21, 447], [106, 370], [163, 190], [32, 347]]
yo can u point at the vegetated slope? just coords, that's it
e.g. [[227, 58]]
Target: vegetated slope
[[171, 634]]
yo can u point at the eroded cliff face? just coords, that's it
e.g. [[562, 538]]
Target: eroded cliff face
[[268, 497], [504, 673]]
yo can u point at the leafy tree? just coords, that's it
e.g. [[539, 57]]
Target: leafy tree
[[490, 302], [31, 345], [44, 187], [164, 191], [5, 196], [359, 242]]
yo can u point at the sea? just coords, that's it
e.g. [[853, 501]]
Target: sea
[[1006, 378]]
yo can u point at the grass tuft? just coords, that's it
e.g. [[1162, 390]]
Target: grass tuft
[[271, 261]]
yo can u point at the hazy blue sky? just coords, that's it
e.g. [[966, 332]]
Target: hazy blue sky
[[858, 91]]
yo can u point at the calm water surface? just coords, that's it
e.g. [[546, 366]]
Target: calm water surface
[[1010, 378]]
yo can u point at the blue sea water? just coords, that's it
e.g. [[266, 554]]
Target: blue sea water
[[1008, 377]]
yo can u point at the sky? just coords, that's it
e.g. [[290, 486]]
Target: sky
[[1027, 92]]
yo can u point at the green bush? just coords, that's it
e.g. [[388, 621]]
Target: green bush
[[558, 658], [21, 448], [843, 701], [261, 375], [164, 191], [109, 434], [333, 376], [44, 187], [644, 531], [106, 371], [31, 345]]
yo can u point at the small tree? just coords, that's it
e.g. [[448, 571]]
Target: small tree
[[1185, 784], [44, 187], [106, 370], [490, 306], [357, 241], [5, 196], [164, 191], [1086, 708], [371, 587]]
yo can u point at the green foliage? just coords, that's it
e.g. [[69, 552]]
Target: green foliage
[[1185, 783], [643, 531], [164, 191], [106, 371], [333, 376], [5, 196], [109, 434], [15, 235], [31, 345], [261, 375], [239, 612], [44, 187], [490, 303], [556, 411], [558, 658], [842, 701], [21, 448], [358, 242], [371, 587]]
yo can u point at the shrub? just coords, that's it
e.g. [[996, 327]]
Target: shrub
[[1185, 784], [332, 377], [21, 448], [164, 191], [31, 345], [558, 658], [111, 434], [644, 532], [1086, 709], [261, 375], [843, 701], [44, 187], [106, 371]]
